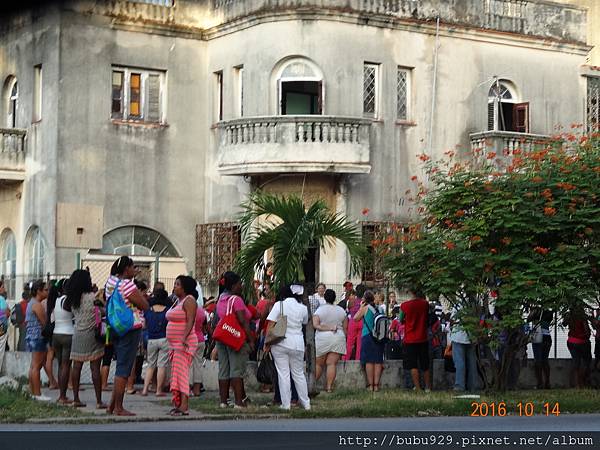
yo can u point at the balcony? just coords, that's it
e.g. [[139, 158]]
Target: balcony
[[293, 144], [12, 154], [504, 143]]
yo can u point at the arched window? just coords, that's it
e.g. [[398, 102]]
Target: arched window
[[300, 87], [505, 113], [9, 261], [35, 253], [137, 241], [11, 96]]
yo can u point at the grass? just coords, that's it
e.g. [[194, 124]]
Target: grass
[[16, 406], [402, 403]]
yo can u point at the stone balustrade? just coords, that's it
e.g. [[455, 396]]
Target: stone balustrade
[[12, 153], [311, 143]]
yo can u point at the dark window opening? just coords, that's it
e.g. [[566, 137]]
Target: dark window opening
[[301, 97], [310, 265]]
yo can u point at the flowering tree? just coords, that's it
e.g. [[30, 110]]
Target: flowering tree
[[522, 237]]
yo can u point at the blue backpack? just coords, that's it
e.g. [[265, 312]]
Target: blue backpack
[[118, 314]]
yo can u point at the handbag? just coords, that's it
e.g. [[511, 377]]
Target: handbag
[[266, 372], [277, 332], [229, 331]]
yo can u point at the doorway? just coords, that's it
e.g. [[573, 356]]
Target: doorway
[[301, 97], [310, 265]]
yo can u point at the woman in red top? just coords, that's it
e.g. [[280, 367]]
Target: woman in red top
[[182, 342], [579, 345], [353, 340]]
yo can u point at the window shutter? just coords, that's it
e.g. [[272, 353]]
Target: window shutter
[[521, 117], [491, 110], [153, 98], [320, 98]]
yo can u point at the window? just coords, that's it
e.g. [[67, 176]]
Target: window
[[239, 87], [403, 93], [374, 235], [300, 87], [217, 245], [35, 252], [219, 95], [137, 95], [9, 262], [370, 90], [137, 241], [593, 104], [12, 95], [37, 93], [505, 113]]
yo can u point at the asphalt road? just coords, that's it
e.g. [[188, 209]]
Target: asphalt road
[[281, 434]]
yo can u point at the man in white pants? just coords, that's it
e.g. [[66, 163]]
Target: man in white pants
[[288, 354], [4, 317]]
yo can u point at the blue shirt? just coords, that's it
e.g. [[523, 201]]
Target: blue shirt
[[156, 323], [3, 308]]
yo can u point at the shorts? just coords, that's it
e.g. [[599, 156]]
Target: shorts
[[417, 356], [36, 344], [158, 353], [126, 348], [541, 351], [581, 354], [62, 347], [196, 367], [232, 364]]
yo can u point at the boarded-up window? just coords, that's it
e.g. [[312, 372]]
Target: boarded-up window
[[217, 245]]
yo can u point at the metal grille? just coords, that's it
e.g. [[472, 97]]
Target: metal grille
[[402, 94], [373, 231], [217, 245], [369, 89], [593, 104]]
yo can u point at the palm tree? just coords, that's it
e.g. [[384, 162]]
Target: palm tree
[[287, 227]]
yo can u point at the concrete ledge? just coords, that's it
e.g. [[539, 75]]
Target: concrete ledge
[[350, 374]]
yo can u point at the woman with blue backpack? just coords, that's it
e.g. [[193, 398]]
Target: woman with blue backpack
[[371, 353], [124, 306]]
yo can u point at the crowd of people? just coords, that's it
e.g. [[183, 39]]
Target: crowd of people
[[74, 322]]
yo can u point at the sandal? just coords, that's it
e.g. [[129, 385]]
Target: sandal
[[132, 392], [376, 387], [179, 413], [79, 404]]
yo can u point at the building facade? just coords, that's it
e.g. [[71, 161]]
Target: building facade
[[140, 126]]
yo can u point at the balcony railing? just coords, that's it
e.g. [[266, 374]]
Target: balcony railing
[[504, 144], [283, 144], [12, 153]]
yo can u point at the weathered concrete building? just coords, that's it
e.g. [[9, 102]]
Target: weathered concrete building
[[139, 126]]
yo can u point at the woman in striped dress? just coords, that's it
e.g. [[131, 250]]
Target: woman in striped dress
[[182, 342]]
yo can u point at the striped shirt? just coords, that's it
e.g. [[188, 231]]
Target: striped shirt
[[126, 288]]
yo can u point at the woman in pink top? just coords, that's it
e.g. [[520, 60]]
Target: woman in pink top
[[354, 328], [232, 363], [182, 342], [200, 329]]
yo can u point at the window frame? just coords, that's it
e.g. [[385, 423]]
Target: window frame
[[37, 93], [8, 263], [218, 75], [13, 103], [408, 95], [377, 91], [239, 90], [125, 113], [592, 111], [35, 252]]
